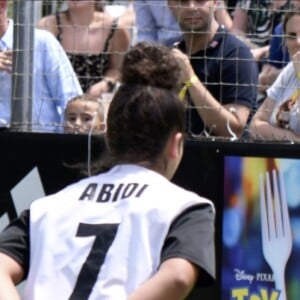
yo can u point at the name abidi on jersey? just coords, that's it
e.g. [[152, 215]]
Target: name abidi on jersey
[[109, 192]]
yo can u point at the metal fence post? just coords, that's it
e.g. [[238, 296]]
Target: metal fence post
[[21, 105]]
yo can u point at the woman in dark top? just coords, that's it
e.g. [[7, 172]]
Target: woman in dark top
[[93, 41]]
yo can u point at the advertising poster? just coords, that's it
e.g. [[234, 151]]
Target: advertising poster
[[261, 229]]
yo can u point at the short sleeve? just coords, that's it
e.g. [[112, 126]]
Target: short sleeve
[[240, 75], [14, 240], [282, 86], [191, 237]]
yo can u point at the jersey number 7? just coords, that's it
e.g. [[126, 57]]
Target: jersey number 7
[[105, 234]]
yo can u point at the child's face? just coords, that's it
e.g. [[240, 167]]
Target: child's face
[[81, 116]]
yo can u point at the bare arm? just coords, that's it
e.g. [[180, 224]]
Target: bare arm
[[240, 26], [174, 280], [240, 21], [127, 19], [119, 45], [212, 112], [222, 15], [48, 23], [11, 273], [261, 129], [217, 116], [267, 76], [260, 52]]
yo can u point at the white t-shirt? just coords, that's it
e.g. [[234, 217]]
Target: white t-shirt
[[285, 91]]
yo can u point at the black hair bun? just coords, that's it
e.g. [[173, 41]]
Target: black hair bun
[[150, 64]]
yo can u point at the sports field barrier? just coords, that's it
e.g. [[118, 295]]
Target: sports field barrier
[[34, 164]]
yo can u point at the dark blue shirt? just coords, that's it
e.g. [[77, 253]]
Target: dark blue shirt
[[228, 70]]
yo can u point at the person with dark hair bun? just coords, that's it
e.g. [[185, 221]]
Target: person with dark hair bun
[[127, 233], [150, 80], [151, 64]]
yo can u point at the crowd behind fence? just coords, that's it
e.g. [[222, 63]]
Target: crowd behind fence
[[261, 89], [284, 120]]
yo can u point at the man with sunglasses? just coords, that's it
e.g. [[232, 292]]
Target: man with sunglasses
[[218, 70]]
